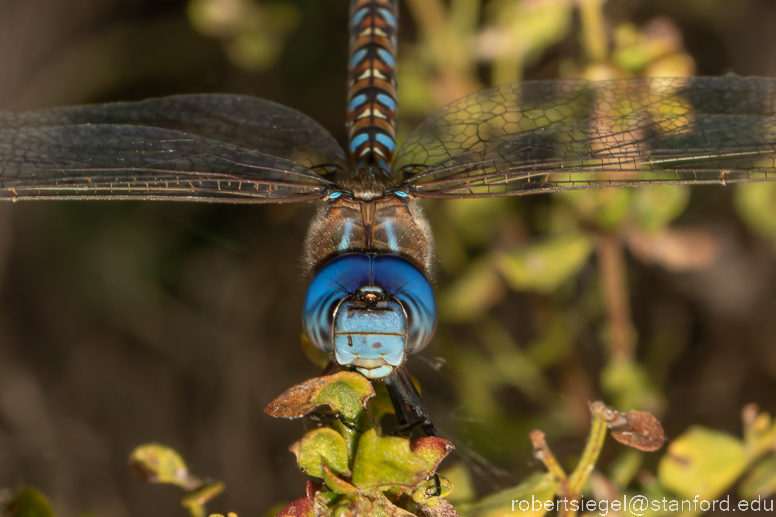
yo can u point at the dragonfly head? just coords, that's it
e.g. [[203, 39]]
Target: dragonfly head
[[369, 311], [370, 332]]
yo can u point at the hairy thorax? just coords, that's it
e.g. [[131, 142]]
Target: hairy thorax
[[388, 224]]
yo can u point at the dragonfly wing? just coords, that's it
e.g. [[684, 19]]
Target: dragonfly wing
[[563, 135], [211, 147], [127, 161], [239, 120]]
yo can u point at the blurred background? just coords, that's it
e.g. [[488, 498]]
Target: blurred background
[[128, 322]]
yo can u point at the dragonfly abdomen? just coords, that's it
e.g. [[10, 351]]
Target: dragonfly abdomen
[[371, 103]]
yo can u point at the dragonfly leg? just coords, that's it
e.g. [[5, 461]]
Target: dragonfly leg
[[437, 486], [352, 427], [410, 410]]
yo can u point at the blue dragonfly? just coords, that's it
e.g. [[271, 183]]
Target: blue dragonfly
[[369, 249]]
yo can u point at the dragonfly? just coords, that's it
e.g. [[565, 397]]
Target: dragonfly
[[369, 249]]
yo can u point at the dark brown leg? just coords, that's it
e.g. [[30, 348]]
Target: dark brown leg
[[410, 410]]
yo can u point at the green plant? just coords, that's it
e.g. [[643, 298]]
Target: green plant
[[361, 472]]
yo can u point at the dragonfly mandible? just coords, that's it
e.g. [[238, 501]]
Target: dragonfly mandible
[[369, 248]]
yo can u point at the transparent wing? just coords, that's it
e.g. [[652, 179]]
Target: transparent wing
[[562, 135], [208, 147]]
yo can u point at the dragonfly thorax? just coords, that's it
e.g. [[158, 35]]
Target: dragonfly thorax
[[368, 311], [388, 224]]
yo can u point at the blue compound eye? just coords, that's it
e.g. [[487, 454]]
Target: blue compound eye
[[409, 286], [337, 280], [369, 311]]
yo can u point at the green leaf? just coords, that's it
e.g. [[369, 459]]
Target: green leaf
[[26, 501], [474, 292], [552, 345], [432, 490], [627, 384], [522, 30], [537, 488], [625, 467], [510, 364], [386, 462], [630, 53], [473, 218], [318, 447], [203, 494], [607, 208], [761, 481], [655, 207], [157, 463], [756, 204], [347, 398], [335, 484], [253, 33], [414, 77], [545, 266], [380, 404], [702, 462], [345, 393], [356, 504], [326, 498]]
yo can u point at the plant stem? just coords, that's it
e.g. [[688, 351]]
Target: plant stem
[[452, 54], [593, 31], [465, 17], [570, 487], [196, 510], [542, 452], [614, 289], [431, 19], [578, 478]]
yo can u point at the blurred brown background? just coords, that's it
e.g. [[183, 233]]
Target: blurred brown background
[[122, 323]]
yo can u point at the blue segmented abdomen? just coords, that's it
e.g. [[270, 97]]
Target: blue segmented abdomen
[[372, 106], [369, 311]]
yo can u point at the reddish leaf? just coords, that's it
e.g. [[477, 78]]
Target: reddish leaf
[[345, 393], [302, 507], [433, 449]]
